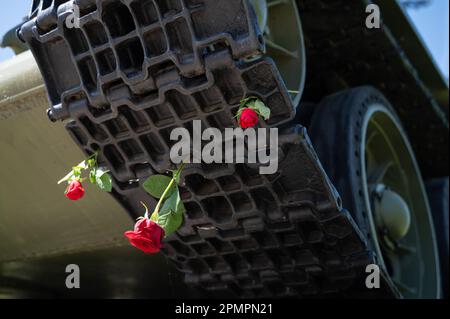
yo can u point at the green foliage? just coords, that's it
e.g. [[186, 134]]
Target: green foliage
[[262, 110], [93, 176], [170, 222], [169, 212], [103, 180], [256, 104], [173, 204], [97, 176], [156, 185]]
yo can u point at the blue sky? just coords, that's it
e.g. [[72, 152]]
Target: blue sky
[[432, 23]]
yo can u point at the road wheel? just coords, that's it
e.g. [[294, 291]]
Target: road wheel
[[287, 49], [368, 157], [438, 193]]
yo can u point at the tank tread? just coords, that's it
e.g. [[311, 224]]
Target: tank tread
[[281, 235], [248, 234], [131, 42]]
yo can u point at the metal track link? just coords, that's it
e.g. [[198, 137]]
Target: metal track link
[[244, 233]]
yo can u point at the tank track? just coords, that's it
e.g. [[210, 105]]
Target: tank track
[[245, 234]]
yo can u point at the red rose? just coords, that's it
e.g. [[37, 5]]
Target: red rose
[[75, 191], [249, 118], [147, 236]]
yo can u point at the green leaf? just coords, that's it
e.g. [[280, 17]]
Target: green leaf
[[246, 101], [157, 184], [171, 215], [91, 162], [77, 172], [93, 176], [173, 204], [251, 105], [169, 206], [103, 180], [170, 222], [257, 105], [263, 110]]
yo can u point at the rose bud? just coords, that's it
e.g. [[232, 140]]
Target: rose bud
[[249, 118], [147, 236], [75, 191]]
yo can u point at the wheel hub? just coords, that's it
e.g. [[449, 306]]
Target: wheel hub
[[399, 215], [392, 214]]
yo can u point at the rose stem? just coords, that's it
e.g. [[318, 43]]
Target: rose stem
[[174, 178]]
